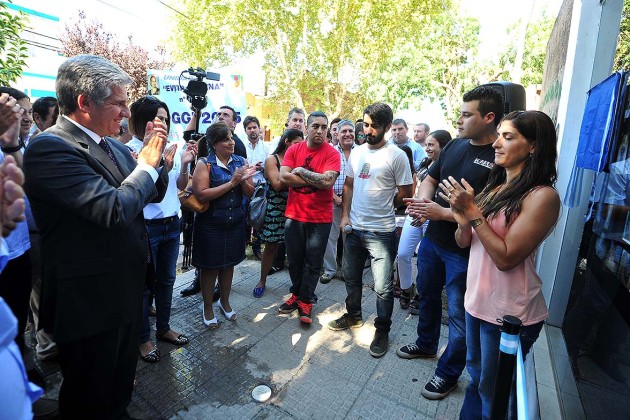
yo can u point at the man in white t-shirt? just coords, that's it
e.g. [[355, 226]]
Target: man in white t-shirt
[[378, 177]]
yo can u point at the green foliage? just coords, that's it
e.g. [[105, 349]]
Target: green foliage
[[534, 51], [13, 50], [340, 55], [622, 56], [318, 54]]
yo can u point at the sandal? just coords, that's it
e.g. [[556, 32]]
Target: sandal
[[230, 316], [259, 292], [180, 340], [152, 357]]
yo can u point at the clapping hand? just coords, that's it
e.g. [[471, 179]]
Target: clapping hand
[[189, 154], [10, 113], [461, 197], [154, 143], [169, 157], [242, 174], [12, 203]]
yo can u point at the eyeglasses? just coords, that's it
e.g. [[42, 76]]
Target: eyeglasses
[[360, 136]]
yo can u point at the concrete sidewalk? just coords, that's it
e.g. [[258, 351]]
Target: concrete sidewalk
[[314, 373]]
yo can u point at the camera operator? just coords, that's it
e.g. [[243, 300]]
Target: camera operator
[[227, 114]]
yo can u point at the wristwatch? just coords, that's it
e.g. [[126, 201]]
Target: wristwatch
[[476, 222]]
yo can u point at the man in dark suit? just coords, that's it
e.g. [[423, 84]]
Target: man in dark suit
[[87, 196]]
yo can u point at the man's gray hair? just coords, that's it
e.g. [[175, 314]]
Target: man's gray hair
[[344, 122], [295, 110], [89, 75]]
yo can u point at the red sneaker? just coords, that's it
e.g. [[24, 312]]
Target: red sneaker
[[290, 305], [304, 309]]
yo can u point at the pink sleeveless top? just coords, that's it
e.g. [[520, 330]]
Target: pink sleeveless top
[[491, 293]]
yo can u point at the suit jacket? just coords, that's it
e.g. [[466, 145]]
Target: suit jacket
[[93, 237]]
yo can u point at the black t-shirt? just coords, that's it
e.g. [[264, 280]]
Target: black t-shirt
[[458, 159]]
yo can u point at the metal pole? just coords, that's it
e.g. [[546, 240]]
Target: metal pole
[[505, 368]]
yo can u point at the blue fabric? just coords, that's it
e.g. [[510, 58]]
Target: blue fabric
[[17, 394], [219, 232], [358, 245], [598, 123], [164, 241], [4, 254], [599, 127], [440, 268]]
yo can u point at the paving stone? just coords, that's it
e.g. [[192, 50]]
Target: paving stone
[[314, 373]]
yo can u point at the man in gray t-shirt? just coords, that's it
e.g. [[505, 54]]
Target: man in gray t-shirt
[[378, 178]]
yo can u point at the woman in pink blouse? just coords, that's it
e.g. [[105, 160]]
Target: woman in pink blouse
[[504, 225]]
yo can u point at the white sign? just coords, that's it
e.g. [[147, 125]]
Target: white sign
[[169, 88]]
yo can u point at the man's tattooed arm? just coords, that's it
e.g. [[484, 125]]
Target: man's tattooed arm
[[322, 181]]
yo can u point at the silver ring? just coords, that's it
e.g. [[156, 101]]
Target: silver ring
[[448, 196]]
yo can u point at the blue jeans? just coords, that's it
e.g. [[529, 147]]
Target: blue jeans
[[306, 244], [381, 248], [438, 268], [164, 241], [483, 340]]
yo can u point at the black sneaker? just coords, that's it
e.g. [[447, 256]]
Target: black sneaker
[[412, 351], [290, 305], [379, 345], [304, 310], [346, 321], [438, 388]]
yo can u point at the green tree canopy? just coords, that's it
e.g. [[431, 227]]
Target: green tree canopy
[[13, 50], [318, 54]]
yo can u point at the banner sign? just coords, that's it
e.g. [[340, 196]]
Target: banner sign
[[165, 85]]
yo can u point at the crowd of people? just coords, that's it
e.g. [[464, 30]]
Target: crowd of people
[[96, 254]]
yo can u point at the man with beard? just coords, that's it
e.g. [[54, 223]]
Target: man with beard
[[378, 177], [310, 169]]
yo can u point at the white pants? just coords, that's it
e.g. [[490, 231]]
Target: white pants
[[330, 256], [410, 237]]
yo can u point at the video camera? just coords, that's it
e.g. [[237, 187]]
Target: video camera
[[196, 92]]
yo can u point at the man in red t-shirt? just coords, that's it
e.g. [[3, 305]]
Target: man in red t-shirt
[[309, 169]]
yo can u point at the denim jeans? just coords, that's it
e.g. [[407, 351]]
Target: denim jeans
[[306, 244], [410, 237], [482, 339], [438, 268], [381, 248], [164, 241]]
